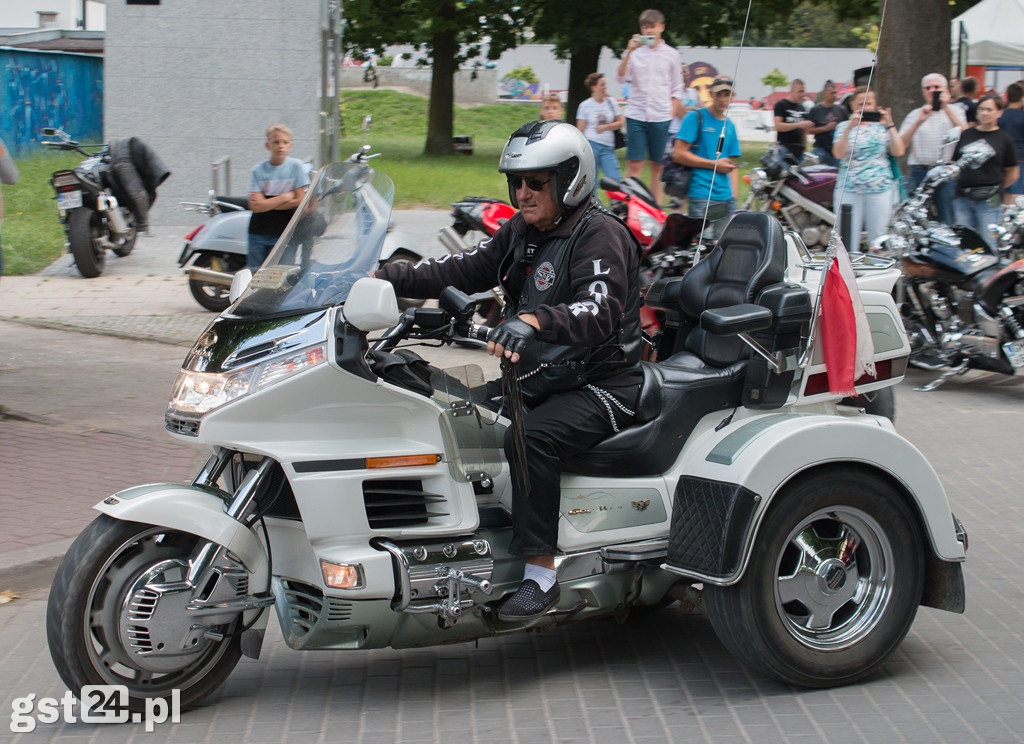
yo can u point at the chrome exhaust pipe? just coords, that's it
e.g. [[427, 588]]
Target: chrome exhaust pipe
[[451, 240], [221, 278]]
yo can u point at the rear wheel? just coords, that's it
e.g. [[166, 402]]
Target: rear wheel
[[215, 297], [117, 615], [832, 585], [85, 237]]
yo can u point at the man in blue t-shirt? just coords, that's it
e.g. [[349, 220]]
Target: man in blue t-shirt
[[276, 187], [700, 145]]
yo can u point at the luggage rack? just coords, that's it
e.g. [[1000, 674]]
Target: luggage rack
[[862, 262]]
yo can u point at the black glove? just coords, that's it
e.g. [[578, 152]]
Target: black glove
[[513, 334]]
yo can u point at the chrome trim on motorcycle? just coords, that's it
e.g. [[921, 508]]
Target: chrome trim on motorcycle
[[445, 570]]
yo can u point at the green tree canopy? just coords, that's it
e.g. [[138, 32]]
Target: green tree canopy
[[441, 28]]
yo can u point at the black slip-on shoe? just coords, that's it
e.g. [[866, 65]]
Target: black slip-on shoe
[[529, 602]]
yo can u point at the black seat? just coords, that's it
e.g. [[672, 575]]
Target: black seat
[[706, 372]]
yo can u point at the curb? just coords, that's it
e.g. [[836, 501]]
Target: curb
[[32, 568], [60, 324]]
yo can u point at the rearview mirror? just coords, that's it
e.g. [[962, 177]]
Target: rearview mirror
[[239, 283]]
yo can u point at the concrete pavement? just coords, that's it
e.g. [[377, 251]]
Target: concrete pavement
[[85, 370]]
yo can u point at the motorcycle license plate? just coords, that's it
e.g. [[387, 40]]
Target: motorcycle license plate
[[1014, 351], [69, 199]]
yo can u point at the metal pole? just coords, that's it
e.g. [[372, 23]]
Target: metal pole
[[846, 227]]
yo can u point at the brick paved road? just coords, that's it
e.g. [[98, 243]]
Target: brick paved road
[[665, 678]]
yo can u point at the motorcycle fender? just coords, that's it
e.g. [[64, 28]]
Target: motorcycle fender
[[227, 232], [762, 454], [191, 509], [399, 242]]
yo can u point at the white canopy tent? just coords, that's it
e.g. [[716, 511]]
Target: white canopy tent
[[994, 33]]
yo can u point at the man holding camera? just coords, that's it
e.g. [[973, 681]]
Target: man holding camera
[[655, 72], [925, 132]]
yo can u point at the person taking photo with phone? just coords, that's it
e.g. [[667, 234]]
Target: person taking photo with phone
[[654, 70], [862, 145], [924, 133]]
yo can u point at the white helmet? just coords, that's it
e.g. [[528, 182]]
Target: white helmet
[[557, 147]]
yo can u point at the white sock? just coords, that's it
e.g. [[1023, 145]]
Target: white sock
[[545, 577]]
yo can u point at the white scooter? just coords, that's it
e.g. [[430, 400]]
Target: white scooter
[[364, 495]]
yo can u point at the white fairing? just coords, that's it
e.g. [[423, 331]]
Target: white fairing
[[371, 305]]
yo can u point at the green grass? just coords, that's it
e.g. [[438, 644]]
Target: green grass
[[32, 234], [33, 238], [399, 130]]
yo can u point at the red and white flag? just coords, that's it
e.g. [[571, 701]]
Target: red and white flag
[[849, 352]]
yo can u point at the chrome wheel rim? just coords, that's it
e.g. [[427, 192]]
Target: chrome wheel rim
[[108, 601], [834, 578]]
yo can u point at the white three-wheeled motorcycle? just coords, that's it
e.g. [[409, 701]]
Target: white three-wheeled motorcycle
[[362, 496]]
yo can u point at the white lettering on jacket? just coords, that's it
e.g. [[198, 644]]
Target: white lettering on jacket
[[578, 308]]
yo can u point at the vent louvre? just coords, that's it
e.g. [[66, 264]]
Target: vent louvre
[[305, 604], [400, 503], [338, 610]]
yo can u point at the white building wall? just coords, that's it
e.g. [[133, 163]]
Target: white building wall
[[24, 14], [201, 80]]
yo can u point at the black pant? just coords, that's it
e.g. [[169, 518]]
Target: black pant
[[564, 425]]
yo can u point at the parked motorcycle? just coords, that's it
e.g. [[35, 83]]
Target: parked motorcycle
[[105, 199], [634, 203], [1009, 231], [474, 219], [363, 494], [962, 305], [216, 250], [800, 195]]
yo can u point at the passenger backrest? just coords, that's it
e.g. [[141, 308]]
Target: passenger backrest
[[750, 255]]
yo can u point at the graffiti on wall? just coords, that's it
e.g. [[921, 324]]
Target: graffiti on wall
[[49, 89]]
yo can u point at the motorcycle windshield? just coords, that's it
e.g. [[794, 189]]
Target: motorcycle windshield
[[334, 239]]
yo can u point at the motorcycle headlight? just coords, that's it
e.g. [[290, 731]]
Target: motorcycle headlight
[[197, 393], [649, 225]]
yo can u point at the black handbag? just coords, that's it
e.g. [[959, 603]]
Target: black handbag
[[620, 137], [674, 176], [981, 193]]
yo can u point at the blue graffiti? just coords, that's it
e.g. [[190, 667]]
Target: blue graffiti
[[49, 89]]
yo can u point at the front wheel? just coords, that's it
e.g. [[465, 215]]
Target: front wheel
[[85, 237], [832, 585], [117, 615], [215, 297]]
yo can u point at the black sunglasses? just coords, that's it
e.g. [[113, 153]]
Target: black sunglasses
[[533, 184]]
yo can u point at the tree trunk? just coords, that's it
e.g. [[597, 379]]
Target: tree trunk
[[914, 42], [583, 62], [440, 112]]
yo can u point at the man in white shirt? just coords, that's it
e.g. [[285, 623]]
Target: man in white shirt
[[925, 133], [655, 71]]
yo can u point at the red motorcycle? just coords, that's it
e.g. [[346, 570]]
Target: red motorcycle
[[634, 203]]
